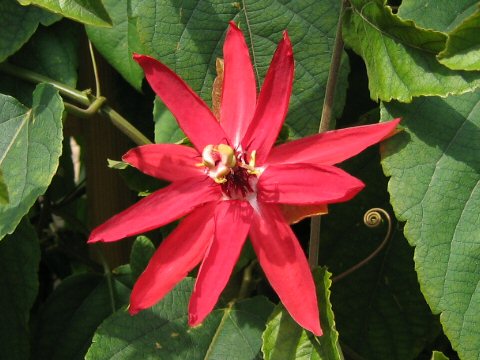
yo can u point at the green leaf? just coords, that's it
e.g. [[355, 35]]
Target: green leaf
[[29, 150], [284, 339], [19, 260], [437, 355], [162, 331], [463, 46], [188, 37], [460, 19], [439, 15], [380, 312], [400, 57], [89, 12], [434, 187], [3, 190], [118, 43], [142, 251], [51, 52], [19, 23], [67, 321]]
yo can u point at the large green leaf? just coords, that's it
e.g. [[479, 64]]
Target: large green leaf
[[118, 43], [188, 37], [440, 15], [284, 339], [434, 187], [400, 57], [463, 46], [19, 259], [89, 12], [19, 23], [67, 321], [380, 312], [460, 19], [30, 147], [162, 332]]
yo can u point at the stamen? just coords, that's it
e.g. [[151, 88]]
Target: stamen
[[228, 168]]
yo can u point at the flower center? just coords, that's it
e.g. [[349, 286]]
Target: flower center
[[229, 169]]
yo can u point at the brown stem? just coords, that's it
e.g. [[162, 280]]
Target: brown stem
[[325, 121]]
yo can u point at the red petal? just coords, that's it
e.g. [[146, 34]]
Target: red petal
[[285, 266], [232, 222], [239, 95], [179, 253], [165, 161], [192, 114], [273, 102], [331, 147], [306, 184], [158, 209]]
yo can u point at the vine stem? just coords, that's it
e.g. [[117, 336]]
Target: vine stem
[[108, 276], [81, 97], [325, 121]]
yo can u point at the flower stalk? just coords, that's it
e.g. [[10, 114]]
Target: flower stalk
[[325, 121]]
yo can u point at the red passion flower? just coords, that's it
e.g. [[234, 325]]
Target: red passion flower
[[233, 183]]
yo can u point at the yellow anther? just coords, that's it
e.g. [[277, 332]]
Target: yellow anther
[[251, 163], [207, 156], [219, 180], [227, 155]]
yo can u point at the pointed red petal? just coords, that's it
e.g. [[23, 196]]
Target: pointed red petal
[[239, 95], [192, 114], [285, 266], [273, 102], [306, 184], [158, 209], [232, 222], [331, 147], [179, 253], [165, 161]]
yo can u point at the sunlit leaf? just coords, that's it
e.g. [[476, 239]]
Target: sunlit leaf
[[380, 312], [30, 147], [459, 19], [434, 187], [89, 12], [401, 57], [118, 43], [439, 15]]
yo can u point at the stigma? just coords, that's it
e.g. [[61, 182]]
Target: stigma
[[229, 168]]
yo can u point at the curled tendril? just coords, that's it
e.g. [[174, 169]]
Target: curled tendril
[[372, 219]]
